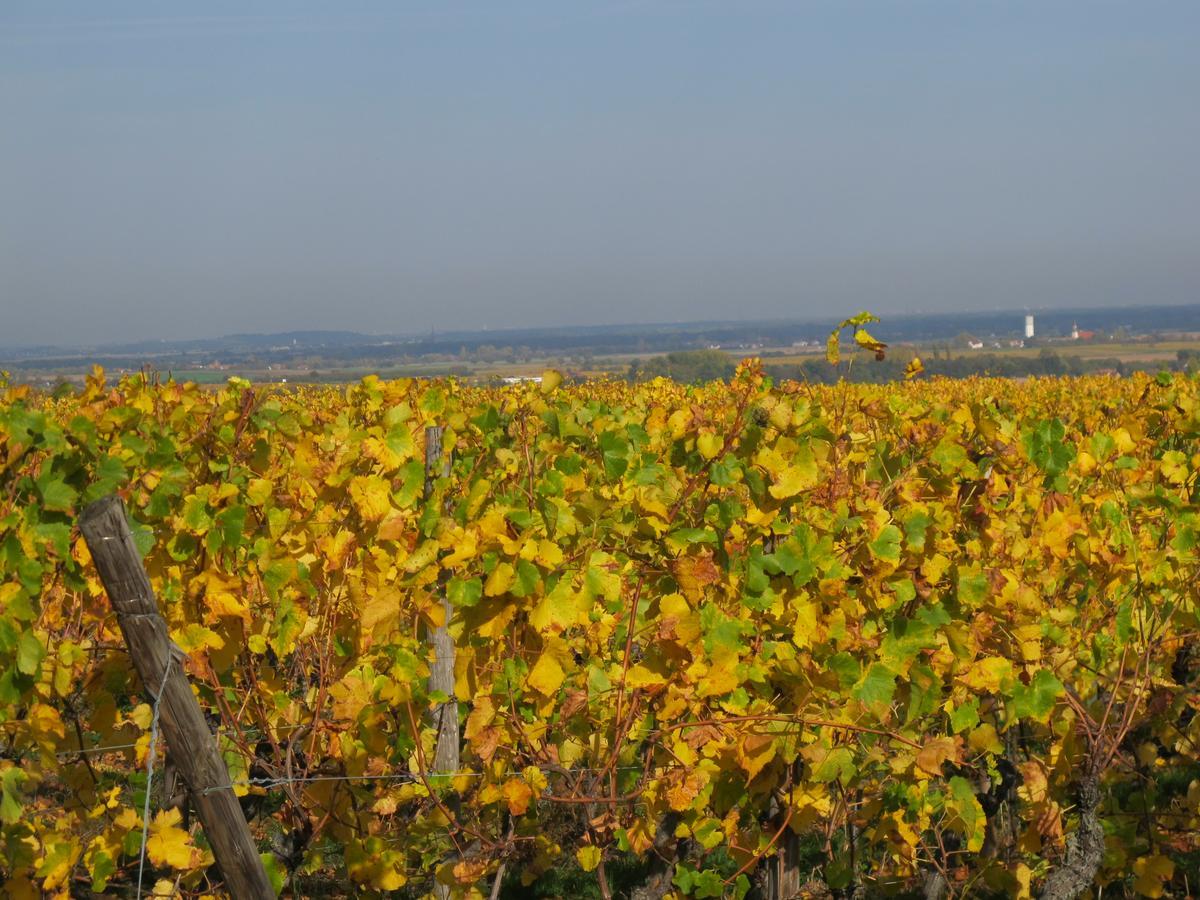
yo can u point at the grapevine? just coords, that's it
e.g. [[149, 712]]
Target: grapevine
[[898, 635]]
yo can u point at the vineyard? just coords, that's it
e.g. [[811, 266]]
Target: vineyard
[[937, 638]]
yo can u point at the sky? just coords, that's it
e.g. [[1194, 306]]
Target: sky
[[191, 170]]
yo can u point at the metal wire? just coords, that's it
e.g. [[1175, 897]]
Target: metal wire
[[409, 777], [150, 772]]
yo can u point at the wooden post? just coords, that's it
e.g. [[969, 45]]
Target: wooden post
[[441, 673], [782, 870], [192, 748]]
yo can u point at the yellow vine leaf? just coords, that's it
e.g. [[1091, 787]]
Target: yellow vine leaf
[[469, 871], [380, 607], [937, 751], [588, 857], [547, 674], [559, 609], [168, 844], [985, 739], [195, 637], [641, 676], [867, 342], [371, 496], [551, 379], [480, 717], [499, 581], [722, 676], [1152, 873], [709, 444], [801, 475], [517, 794], [221, 595], [987, 674]]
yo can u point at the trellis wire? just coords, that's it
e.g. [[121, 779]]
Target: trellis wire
[[409, 777], [150, 772], [267, 782], [109, 748]]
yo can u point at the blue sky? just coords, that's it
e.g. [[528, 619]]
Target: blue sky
[[167, 172]]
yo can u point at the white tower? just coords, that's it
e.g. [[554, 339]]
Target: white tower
[[1028, 327]]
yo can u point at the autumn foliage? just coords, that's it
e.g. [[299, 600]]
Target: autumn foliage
[[890, 629]]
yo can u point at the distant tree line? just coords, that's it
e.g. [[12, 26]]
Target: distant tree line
[[686, 366]]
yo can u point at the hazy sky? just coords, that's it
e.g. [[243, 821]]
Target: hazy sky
[[398, 166]]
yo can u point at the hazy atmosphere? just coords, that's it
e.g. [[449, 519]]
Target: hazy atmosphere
[[400, 167]]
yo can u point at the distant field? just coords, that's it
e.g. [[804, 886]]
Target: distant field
[[201, 376], [1131, 351], [610, 365]]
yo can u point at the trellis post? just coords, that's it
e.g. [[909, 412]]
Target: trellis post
[[192, 748]]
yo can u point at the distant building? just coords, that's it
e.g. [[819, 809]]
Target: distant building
[[1077, 335], [1028, 327]]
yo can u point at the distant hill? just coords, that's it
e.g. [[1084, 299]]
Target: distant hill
[[342, 348]]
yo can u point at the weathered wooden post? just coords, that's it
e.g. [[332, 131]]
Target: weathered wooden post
[[782, 871], [441, 673], [192, 748]]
